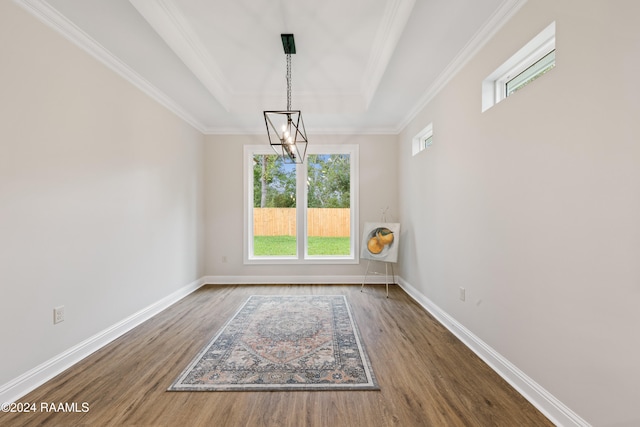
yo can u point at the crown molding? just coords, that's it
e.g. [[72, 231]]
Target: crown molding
[[167, 20], [318, 102], [52, 18], [392, 25], [501, 16], [260, 130]]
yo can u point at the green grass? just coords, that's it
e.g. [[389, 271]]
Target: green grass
[[274, 245], [286, 245], [329, 246]]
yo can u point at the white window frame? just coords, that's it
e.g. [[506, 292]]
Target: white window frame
[[494, 86], [422, 140], [301, 256]]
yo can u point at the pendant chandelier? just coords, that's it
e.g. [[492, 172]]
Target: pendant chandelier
[[285, 129]]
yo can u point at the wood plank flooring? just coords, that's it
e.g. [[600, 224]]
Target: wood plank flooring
[[427, 377]]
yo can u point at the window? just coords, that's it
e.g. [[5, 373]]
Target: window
[[532, 61], [303, 213], [534, 71], [422, 140]]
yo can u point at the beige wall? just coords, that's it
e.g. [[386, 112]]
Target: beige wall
[[110, 203], [100, 196], [534, 207], [224, 195]]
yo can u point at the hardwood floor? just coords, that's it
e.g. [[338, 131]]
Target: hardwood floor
[[427, 377]]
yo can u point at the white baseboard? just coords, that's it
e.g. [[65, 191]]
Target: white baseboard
[[555, 410], [18, 387], [546, 403], [292, 280]]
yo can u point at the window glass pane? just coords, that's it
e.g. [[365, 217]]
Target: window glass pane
[[274, 206], [328, 204], [426, 142], [546, 63]]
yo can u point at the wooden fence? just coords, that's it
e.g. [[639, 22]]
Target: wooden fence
[[324, 222]]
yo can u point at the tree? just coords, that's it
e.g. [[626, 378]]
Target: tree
[[328, 179], [263, 181], [274, 182]]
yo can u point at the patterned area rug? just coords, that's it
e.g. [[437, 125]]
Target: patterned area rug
[[283, 343]]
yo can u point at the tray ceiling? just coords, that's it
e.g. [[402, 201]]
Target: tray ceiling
[[361, 66]]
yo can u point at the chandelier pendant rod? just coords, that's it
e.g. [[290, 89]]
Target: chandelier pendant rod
[[285, 129], [288, 82]]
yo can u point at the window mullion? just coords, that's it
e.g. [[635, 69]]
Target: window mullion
[[301, 210], [301, 192]]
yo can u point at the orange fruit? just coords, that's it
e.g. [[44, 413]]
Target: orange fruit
[[385, 236], [374, 245]]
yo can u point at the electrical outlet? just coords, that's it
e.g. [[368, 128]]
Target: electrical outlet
[[58, 314], [462, 294]]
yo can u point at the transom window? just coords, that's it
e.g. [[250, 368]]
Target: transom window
[[301, 213], [532, 61], [422, 140], [531, 73]]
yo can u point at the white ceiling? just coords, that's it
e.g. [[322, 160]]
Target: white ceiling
[[362, 66]]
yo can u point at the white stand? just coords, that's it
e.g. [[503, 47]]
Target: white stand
[[386, 275], [386, 264]]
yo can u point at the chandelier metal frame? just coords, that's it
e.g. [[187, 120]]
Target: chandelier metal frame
[[285, 128]]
